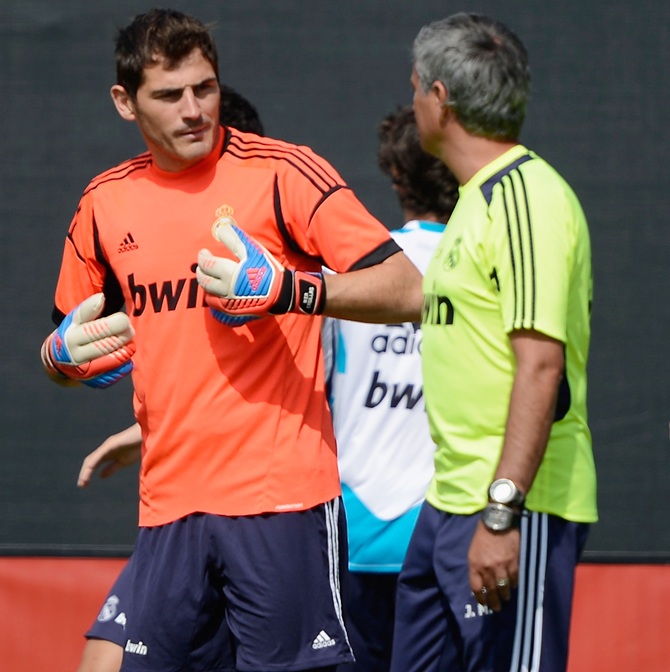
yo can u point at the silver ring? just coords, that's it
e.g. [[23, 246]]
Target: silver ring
[[502, 583], [483, 591]]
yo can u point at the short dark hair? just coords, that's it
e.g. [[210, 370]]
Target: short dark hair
[[160, 33], [484, 67], [423, 183], [237, 112]]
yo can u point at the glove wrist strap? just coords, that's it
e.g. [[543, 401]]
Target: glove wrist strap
[[301, 292]]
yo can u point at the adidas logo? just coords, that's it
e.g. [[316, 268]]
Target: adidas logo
[[322, 641], [127, 244], [254, 276]]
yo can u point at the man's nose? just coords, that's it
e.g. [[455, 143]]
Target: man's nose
[[190, 105]]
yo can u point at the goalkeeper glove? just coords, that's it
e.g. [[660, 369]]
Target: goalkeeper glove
[[257, 285], [96, 352]]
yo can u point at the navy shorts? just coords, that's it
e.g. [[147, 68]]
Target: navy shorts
[[251, 593], [369, 609], [441, 627], [113, 617]]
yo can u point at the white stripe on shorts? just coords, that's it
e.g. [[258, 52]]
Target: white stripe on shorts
[[332, 510], [532, 573]]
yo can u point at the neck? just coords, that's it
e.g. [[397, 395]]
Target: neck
[[465, 154], [409, 215]]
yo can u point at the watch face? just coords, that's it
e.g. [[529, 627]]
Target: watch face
[[503, 491], [498, 517]]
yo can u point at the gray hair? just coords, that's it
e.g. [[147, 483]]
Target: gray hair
[[484, 67]]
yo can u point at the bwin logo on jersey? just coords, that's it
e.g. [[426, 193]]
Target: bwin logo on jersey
[[437, 310], [139, 648], [168, 296], [396, 392], [108, 610]]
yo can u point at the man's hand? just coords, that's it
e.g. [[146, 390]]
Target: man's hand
[[115, 452], [96, 352], [257, 285], [494, 565]]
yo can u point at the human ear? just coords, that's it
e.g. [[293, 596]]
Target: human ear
[[440, 92], [124, 104]]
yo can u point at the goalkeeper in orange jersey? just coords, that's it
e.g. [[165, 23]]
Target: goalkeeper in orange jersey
[[238, 556]]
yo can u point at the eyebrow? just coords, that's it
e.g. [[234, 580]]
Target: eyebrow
[[169, 91]]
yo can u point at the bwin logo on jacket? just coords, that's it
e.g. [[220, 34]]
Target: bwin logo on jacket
[[167, 295]]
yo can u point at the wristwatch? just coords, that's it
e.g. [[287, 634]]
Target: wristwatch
[[504, 491], [500, 517], [504, 508]]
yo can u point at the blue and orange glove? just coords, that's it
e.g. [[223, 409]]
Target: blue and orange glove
[[257, 285], [95, 352]]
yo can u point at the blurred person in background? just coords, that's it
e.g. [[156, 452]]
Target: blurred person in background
[[385, 452]]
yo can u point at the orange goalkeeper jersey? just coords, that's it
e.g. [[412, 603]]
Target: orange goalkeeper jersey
[[234, 421]]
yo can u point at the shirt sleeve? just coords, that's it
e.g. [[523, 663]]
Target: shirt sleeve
[[83, 270], [326, 219], [530, 246]]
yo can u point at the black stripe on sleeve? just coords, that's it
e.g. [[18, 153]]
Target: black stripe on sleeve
[[512, 256], [487, 187], [57, 316], [521, 249], [522, 261], [111, 288], [531, 252], [279, 218], [384, 251]]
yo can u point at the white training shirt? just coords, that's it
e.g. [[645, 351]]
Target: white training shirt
[[385, 453]]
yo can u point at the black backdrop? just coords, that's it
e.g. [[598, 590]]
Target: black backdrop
[[324, 74]]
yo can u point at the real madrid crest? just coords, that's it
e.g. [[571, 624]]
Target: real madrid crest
[[224, 215], [109, 609], [452, 257]]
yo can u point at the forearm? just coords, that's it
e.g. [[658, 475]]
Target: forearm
[[115, 452], [494, 555], [532, 406], [388, 292], [131, 437]]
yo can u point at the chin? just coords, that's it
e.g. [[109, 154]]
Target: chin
[[195, 151]]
